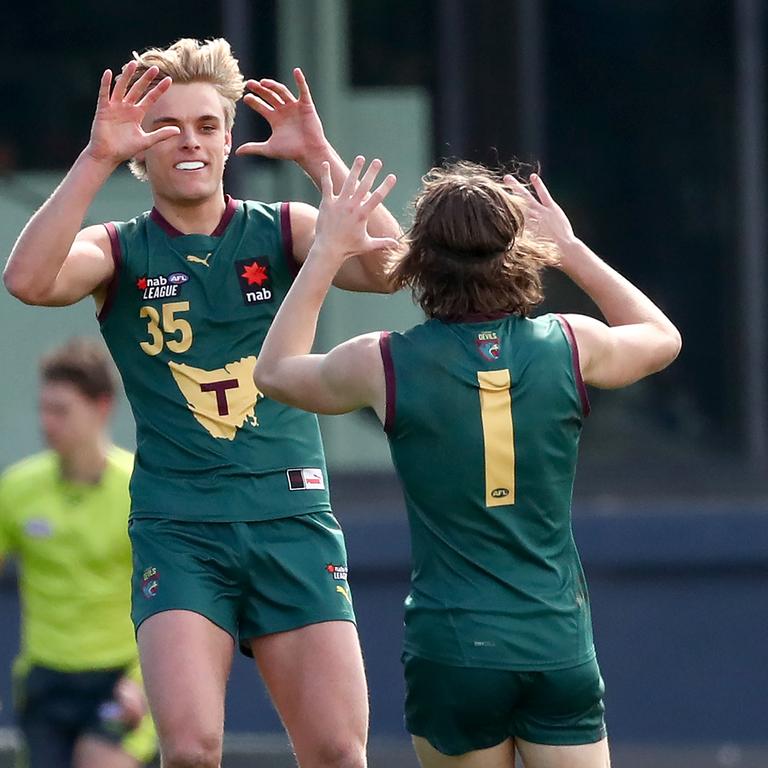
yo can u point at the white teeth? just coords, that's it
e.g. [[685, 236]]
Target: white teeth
[[189, 166]]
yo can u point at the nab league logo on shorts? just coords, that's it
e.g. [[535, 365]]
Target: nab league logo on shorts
[[253, 275], [150, 582], [306, 479], [339, 572], [161, 286], [488, 345]]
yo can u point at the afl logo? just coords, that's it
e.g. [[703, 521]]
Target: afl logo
[[500, 493]]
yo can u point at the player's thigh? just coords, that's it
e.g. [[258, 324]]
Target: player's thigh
[[565, 756], [185, 662], [500, 756], [316, 680], [92, 752]]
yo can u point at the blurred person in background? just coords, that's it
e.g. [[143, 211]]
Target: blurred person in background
[[64, 516], [483, 408], [233, 536]]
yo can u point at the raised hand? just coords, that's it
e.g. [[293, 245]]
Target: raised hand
[[116, 133], [544, 217], [296, 128], [341, 222]]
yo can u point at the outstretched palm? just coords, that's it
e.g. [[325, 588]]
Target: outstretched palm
[[116, 133], [296, 128], [342, 219]]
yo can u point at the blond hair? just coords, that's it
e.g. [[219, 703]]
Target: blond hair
[[194, 61], [468, 248]]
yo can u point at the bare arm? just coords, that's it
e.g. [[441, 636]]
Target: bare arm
[[639, 338], [297, 134], [352, 374], [54, 262]]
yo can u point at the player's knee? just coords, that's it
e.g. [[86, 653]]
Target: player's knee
[[339, 752], [201, 752]]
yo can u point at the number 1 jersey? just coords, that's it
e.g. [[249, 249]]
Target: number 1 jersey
[[483, 421]]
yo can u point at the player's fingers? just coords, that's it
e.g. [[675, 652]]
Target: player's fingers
[[541, 190], [364, 187], [153, 94], [104, 86], [378, 195], [282, 91], [350, 183], [326, 182], [265, 94], [301, 82], [161, 134], [383, 244], [123, 79], [137, 89], [252, 148], [257, 105], [518, 187]]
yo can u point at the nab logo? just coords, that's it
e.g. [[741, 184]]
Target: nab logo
[[253, 275]]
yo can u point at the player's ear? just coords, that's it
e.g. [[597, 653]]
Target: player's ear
[[227, 143]]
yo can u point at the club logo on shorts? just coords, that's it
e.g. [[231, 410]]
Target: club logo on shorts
[[488, 345], [161, 286], [253, 275], [306, 479], [150, 582]]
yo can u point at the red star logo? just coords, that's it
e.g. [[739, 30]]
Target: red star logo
[[141, 283], [255, 273], [330, 568]]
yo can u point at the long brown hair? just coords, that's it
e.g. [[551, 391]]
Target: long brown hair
[[468, 251]]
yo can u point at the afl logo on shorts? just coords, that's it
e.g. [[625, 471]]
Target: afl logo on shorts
[[500, 493]]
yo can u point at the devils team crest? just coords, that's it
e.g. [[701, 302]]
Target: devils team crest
[[488, 345]]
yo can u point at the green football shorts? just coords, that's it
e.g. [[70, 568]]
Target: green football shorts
[[461, 709], [249, 578]]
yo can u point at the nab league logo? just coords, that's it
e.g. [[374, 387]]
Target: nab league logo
[[488, 345], [253, 275], [161, 286]]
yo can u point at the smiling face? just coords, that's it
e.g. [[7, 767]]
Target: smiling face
[[188, 168]]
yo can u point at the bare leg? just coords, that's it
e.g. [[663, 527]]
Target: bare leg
[[578, 756], [91, 752], [185, 660], [500, 756], [316, 679]]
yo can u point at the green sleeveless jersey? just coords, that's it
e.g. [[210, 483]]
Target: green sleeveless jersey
[[184, 318], [483, 420], [71, 540]]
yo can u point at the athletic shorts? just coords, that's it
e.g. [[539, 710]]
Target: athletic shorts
[[54, 709], [249, 578], [461, 709]]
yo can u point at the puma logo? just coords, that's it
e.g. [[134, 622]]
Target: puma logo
[[341, 590], [198, 260]]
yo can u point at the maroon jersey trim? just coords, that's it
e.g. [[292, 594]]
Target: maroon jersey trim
[[566, 326], [287, 235], [389, 380], [117, 259], [230, 206]]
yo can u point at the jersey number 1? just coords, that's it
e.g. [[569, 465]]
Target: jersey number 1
[[498, 437]]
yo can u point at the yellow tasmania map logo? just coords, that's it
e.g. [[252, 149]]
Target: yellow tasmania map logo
[[221, 400]]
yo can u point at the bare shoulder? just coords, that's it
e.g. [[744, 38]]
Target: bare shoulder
[[95, 235]]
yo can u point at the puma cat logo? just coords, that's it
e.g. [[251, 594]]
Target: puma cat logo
[[198, 260]]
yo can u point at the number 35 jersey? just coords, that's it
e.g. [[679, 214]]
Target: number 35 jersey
[[184, 319], [483, 420]]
